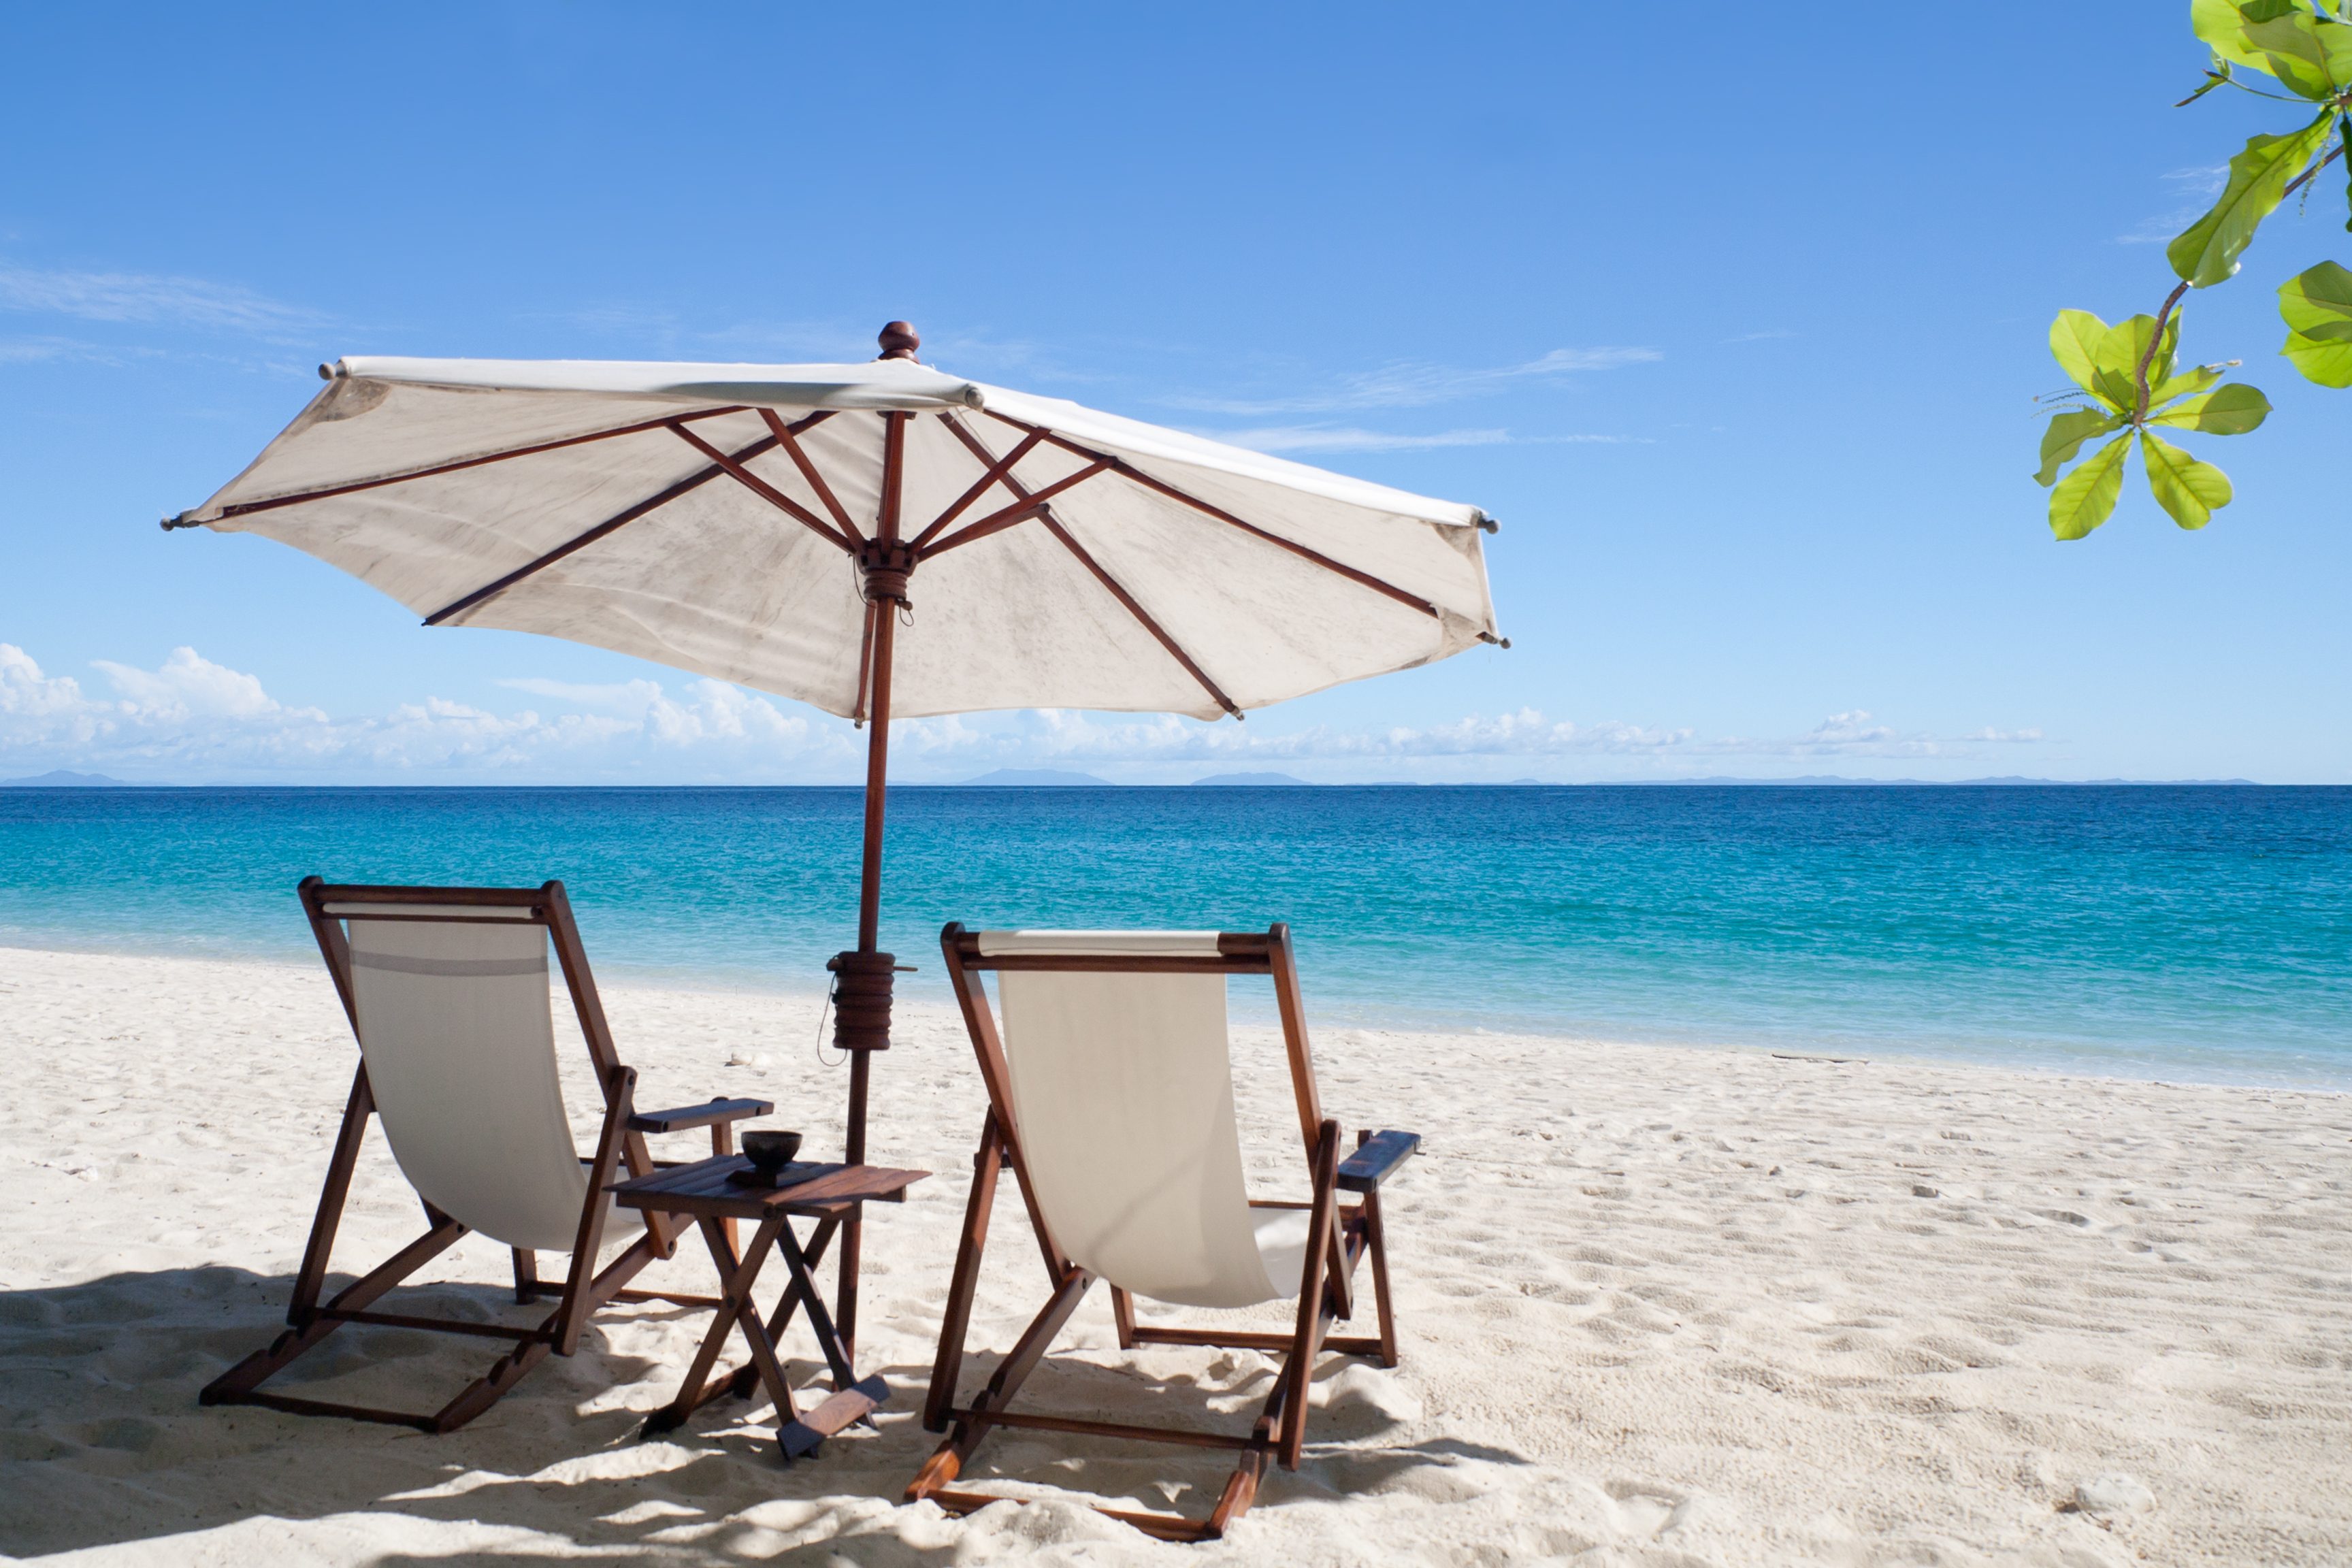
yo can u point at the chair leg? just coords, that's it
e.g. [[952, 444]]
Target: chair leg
[[1123, 1314], [955, 1322], [947, 1461], [488, 1389], [526, 1273], [339, 1165], [1314, 1309], [1376, 1242], [240, 1382]]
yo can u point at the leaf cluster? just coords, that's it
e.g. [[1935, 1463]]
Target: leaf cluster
[[2125, 372], [2109, 365]]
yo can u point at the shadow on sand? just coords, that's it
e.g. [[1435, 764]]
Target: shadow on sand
[[102, 1441]]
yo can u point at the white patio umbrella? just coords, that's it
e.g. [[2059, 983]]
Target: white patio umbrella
[[877, 539]]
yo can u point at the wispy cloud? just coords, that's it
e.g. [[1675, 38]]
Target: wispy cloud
[[1052, 737], [1350, 438], [141, 297], [193, 719], [1768, 335], [1417, 385], [1354, 438], [2193, 190], [190, 720]]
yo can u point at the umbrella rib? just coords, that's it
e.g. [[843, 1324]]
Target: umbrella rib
[[1019, 511], [996, 469], [1128, 470], [246, 508], [1046, 515], [865, 665], [810, 472], [761, 488], [695, 480]]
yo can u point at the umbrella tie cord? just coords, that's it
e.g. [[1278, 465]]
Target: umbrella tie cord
[[822, 1014]]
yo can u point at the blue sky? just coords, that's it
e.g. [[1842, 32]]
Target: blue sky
[[1732, 315]]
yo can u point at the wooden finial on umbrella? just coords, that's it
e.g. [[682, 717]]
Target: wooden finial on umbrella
[[898, 342]]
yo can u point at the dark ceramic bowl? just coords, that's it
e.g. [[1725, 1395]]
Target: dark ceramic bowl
[[771, 1151]]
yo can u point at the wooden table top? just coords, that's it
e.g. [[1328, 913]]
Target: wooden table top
[[703, 1189]]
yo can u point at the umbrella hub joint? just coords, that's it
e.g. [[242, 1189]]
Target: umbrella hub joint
[[885, 564]]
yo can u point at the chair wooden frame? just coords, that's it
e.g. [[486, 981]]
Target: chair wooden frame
[[620, 1145], [1338, 1237]]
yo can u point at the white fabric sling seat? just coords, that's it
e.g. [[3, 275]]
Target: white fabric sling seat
[[1111, 1099], [455, 1029], [448, 992], [1124, 1092]]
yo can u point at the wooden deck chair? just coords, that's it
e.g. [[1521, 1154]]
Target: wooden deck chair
[[1110, 1096], [446, 989]]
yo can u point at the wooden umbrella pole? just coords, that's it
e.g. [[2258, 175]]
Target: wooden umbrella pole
[[862, 988], [869, 935]]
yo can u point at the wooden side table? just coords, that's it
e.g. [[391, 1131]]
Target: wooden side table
[[701, 1192]]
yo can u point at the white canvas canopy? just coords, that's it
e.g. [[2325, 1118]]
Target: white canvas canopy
[[710, 517]]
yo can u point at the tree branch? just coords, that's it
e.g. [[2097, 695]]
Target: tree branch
[[2305, 178], [2139, 374]]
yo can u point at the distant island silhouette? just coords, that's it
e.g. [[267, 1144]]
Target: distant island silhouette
[[1247, 780], [57, 778]]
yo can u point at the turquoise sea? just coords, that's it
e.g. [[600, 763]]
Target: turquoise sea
[[2191, 932]]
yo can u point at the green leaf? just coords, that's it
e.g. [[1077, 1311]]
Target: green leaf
[[2115, 359], [2222, 29], [2231, 411], [2207, 252], [2074, 338], [2316, 304], [2190, 491], [2196, 378], [2309, 55], [2085, 498], [2066, 437]]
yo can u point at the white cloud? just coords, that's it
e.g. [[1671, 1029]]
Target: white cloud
[[624, 697], [136, 297], [1860, 734], [1347, 438], [191, 719], [2194, 189], [1415, 384], [188, 686], [954, 747]]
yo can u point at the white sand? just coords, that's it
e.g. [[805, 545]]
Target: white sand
[[1659, 1306]]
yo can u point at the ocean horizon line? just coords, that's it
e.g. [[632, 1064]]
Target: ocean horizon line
[[1807, 781]]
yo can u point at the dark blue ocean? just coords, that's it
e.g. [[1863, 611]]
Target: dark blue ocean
[[2201, 934]]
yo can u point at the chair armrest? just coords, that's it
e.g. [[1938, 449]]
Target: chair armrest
[[1374, 1158], [689, 1115]]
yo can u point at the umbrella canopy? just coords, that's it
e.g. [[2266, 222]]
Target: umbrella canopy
[[722, 519], [779, 526]]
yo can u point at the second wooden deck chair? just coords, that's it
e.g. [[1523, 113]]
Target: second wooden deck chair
[[446, 989], [1110, 1096]]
